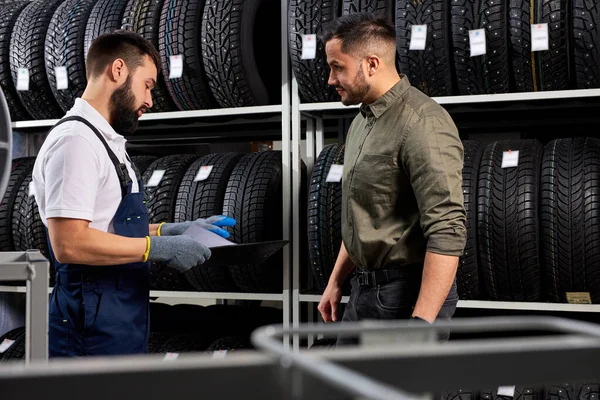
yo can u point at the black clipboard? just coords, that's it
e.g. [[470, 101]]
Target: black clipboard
[[247, 253]]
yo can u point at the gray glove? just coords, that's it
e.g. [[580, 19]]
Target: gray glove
[[179, 252], [215, 224]]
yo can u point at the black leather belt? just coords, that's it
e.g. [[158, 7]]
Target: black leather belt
[[383, 276]]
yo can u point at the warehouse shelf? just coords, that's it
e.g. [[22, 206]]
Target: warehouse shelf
[[182, 295], [494, 305]]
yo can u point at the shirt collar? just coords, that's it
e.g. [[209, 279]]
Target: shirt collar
[[96, 119], [382, 104]]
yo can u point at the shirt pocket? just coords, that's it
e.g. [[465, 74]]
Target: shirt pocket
[[373, 181]]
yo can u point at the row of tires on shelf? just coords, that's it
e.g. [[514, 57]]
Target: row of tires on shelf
[[182, 329], [246, 187], [532, 229], [563, 391], [225, 48], [446, 67]]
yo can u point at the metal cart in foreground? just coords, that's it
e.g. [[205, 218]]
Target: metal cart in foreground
[[391, 371]]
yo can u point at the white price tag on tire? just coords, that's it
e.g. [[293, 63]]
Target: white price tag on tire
[[22, 79], [175, 66], [203, 173], [418, 37], [335, 173], [309, 47], [510, 159], [31, 189], [508, 391], [219, 354], [156, 177], [62, 78], [540, 40], [171, 356], [5, 345], [477, 42]]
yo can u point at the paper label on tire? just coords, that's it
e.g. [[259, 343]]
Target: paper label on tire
[[335, 173], [540, 40], [175, 66], [5, 345], [22, 79], [418, 37], [578, 297], [156, 177], [62, 78], [203, 173], [477, 42], [31, 189], [309, 47], [219, 354], [171, 356], [510, 159], [508, 391]]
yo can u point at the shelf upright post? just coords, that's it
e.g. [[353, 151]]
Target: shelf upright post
[[296, 180]]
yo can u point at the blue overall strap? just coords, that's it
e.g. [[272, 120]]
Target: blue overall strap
[[121, 168]]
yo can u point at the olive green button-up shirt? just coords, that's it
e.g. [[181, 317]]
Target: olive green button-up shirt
[[402, 182]]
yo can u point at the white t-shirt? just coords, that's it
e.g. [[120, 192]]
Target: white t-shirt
[[73, 176]]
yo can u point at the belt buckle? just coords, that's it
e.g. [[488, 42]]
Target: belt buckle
[[363, 278]]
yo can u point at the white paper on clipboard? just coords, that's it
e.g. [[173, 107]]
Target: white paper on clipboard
[[206, 237]]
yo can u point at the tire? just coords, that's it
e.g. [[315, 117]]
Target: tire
[[570, 217], [381, 7], [542, 70], [489, 73], [158, 340], [17, 350], [428, 70], [230, 343], [586, 43], [238, 51], [325, 216], [27, 50], [180, 25], [20, 170], [8, 16], [253, 199], [521, 393], [21, 217], [144, 17], [106, 17], [324, 344], [202, 200], [573, 391], [37, 236], [142, 163], [507, 222], [185, 343], [467, 277], [12, 312], [160, 201], [460, 395], [306, 17], [64, 47]]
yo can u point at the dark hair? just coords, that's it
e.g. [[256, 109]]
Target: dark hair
[[129, 46], [357, 31]]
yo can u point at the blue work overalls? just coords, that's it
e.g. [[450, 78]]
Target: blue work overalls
[[96, 310]]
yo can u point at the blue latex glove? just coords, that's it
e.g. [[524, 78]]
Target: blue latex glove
[[213, 224], [179, 252]]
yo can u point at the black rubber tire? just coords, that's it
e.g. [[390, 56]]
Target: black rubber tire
[[381, 7], [37, 235], [489, 73], [542, 70], [185, 343], [508, 222], [305, 18], [106, 17], [160, 201], [17, 350], [253, 199], [238, 51], [158, 340], [202, 200], [325, 216], [460, 395], [570, 217], [64, 47], [429, 70], [324, 344], [27, 50], [21, 218], [180, 25], [586, 43], [143, 162], [521, 393], [230, 343], [20, 170], [573, 391], [467, 277], [12, 311], [144, 17], [8, 16]]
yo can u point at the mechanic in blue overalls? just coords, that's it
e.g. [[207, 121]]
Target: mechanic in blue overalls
[[91, 199]]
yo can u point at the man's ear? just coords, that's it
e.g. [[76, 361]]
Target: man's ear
[[373, 64], [118, 71]]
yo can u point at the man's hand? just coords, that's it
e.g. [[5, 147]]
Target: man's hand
[[213, 224], [329, 302], [180, 252]]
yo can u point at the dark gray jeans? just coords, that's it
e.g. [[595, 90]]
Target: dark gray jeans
[[394, 300]]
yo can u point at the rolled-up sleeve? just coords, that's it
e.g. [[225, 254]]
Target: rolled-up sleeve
[[432, 156]]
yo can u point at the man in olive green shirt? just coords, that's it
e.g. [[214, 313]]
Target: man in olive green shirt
[[403, 218]]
